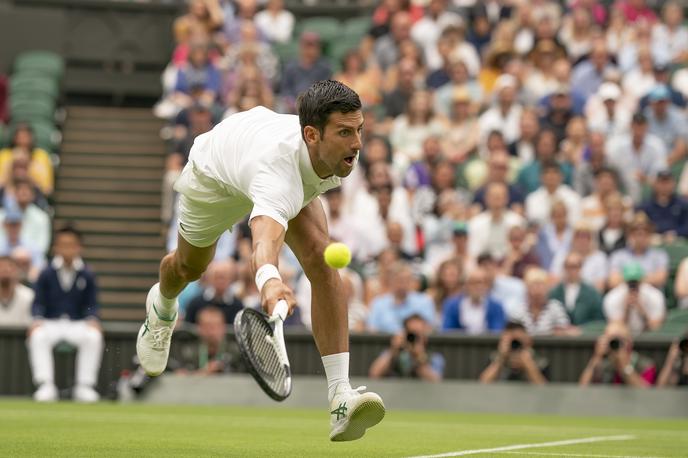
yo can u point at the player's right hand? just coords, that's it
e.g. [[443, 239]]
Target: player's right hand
[[273, 291]]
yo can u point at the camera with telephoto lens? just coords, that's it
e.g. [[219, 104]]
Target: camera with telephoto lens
[[516, 344], [411, 337], [615, 344]]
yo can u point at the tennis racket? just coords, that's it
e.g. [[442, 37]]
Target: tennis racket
[[261, 342]]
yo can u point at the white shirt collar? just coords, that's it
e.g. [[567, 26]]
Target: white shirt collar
[[308, 174], [58, 263]]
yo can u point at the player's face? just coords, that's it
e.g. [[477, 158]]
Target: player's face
[[340, 143]]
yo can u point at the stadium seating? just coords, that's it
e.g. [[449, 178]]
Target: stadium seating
[[41, 63], [327, 28]]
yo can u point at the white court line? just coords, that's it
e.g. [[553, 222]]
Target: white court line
[[583, 440], [578, 454]]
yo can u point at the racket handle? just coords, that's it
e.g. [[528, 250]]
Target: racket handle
[[281, 310]]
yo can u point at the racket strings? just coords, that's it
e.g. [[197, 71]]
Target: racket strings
[[258, 336]]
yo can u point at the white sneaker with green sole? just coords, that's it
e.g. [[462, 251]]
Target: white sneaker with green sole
[[352, 412], [155, 336]]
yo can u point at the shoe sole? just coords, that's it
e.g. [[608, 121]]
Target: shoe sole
[[366, 415]]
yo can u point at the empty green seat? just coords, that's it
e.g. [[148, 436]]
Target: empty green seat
[[357, 26], [40, 62], [286, 51], [32, 109], [327, 28], [4, 135], [340, 48], [45, 135], [29, 84]]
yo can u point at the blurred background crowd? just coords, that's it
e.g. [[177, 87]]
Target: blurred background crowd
[[523, 171], [522, 161]]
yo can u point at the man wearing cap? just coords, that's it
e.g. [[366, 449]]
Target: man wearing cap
[[310, 67], [635, 303], [12, 236], [667, 122], [666, 210], [638, 157], [505, 115], [663, 76], [654, 261], [557, 110], [606, 111]]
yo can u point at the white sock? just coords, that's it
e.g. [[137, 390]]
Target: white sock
[[167, 307], [337, 371]]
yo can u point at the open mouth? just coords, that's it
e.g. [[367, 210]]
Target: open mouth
[[350, 160]]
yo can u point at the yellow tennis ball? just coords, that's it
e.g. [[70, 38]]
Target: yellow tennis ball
[[337, 255]]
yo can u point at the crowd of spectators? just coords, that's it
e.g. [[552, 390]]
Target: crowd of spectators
[[45, 287], [522, 169]]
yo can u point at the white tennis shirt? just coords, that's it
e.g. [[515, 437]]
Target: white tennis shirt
[[261, 157]]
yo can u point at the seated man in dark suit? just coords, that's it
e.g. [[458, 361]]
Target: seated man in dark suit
[[221, 275], [581, 300]]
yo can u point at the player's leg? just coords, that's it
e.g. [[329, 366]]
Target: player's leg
[[182, 266], [307, 237], [201, 222], [351, 412], [185, 264]]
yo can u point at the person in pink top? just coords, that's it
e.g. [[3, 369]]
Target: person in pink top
[[636, 10]]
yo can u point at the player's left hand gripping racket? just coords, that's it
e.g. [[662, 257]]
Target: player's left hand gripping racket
[[261, 342]]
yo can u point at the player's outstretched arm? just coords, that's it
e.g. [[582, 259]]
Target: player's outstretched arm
[[268, 238]]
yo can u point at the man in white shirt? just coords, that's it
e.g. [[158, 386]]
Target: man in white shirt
[[488, 231], [274, 167], [635, 303], [539, 202], [505, 115]]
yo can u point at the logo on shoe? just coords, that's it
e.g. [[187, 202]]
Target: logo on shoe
[[340, 411]]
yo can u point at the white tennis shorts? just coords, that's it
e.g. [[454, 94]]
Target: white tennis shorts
[[207, 207]]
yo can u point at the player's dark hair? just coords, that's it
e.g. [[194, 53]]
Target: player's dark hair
[[323, 98], [69, 228]]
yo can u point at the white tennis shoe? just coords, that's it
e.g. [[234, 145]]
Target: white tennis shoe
[[352, 412], [155, 336], [47, 392]]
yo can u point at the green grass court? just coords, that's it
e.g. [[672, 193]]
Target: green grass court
[[71, 430]]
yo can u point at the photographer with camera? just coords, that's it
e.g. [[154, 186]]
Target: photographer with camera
[[615, 362], [515, 359], [675, 370], [408, 355], [635, 303]]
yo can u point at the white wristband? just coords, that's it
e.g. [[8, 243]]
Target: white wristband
[[266, 272]]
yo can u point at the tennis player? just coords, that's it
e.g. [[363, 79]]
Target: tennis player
[[273, 166]]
